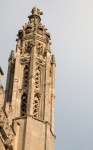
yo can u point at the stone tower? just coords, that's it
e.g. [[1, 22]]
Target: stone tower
[[27, 109]]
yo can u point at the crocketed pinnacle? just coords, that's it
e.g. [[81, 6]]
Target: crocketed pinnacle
[[11, 57]]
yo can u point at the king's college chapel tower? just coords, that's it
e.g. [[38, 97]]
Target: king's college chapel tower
[[27, 105]]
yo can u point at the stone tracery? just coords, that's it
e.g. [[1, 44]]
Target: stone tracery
[[24, 104], [39, 48], [26, 76], [28, 29], [36, 106], [37, 76], [28, 47]]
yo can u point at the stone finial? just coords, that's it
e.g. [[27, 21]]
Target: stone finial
[[1, 74], [11, 57], [35, 12]]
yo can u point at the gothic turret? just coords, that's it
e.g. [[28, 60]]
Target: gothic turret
[[30, 87]]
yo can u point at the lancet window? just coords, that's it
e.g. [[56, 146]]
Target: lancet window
[[26, 76], [24, 104], [36, 106], [38, 77]]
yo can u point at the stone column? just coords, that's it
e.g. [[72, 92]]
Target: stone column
[[53, 91], [47, 84], [31, 81], [15, 84]]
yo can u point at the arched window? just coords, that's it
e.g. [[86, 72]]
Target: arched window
[[26, 76], [24, 104]]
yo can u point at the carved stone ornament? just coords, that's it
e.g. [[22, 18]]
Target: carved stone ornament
[[24, 104], [36, 105], [38, 76], [29, 37], [40, 38], [28, 47], [35, 12], [50, 71], [40, 30], [20, 34], [28, 29], [7, 142], [45, 51], [5, 128], [53, 59], [39, 48], [24, 59]]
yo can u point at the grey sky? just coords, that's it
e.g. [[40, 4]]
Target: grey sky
[[70, 23]]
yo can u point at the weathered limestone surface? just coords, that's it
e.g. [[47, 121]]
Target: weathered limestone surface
[[27, 107], [2, 147]]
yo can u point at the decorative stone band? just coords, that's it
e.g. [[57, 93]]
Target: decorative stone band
[[24, 60], [45, 122]]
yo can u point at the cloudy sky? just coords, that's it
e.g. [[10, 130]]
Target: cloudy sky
[[70, 23]]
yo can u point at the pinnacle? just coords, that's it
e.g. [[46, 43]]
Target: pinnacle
[[1, 72], [11, 57]]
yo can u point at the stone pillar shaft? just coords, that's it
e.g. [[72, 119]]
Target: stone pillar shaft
[[31, 81], [47, 84], [15, 85]]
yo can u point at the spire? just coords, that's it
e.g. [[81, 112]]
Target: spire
[[11, 57], [1, 74]]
